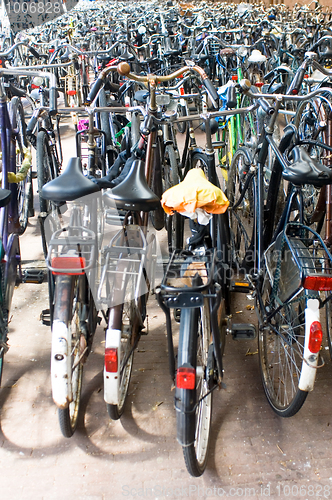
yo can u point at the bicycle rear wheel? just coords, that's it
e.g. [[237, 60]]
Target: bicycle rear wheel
[[71, 316], [123, 318], [194, 406], [281, 342]]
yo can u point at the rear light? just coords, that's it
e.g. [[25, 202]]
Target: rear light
[[71, 92], [318, 283], [185, 378], [295, 91], [68, 265], [234, 78], [315, 337], [111, 359]]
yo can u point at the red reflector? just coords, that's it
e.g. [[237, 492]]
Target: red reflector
[[318, 283], [68, 265], [71, 92], [111, 359], [51, 51], [315, 337], [181, 90], [259, 84], [234, 77], [306, 76], [295, 91], [33, 86], [185, 378]]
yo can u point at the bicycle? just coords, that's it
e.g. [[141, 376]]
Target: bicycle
[[279, 255], [14, 195], [196, 286]]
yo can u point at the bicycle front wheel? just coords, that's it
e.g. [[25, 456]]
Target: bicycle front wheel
[[194, 406], [46, 169], [240, 193], [23, 190]]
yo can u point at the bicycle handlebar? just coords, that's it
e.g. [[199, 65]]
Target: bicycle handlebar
[[42, 74], [124, 70], [246, 86], [31, 49]]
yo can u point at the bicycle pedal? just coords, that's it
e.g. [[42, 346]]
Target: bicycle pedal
[[33, 276], [240, 286], [243, 331], [45, 317]]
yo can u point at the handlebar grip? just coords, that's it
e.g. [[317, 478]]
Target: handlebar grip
[[231, 97], [34, 52], [265, 105], [95, 89], [31, 125], [53, 101], [211, 90], [297, 82]]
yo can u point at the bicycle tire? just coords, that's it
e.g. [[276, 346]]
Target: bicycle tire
[[241, 218], [181, 126], [123, 317], [71, 311], [45, 169], [281, 342], [24, 188], [193, 425], [1, 365], [174, 224]]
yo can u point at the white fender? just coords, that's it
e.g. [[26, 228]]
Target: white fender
[[112, 380], [309, 364], [61, 364]]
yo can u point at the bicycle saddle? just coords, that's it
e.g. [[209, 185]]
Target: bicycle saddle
[[126, 56], [133, 193], [70, 185], [306, 170], [228, 52], [5, 195]]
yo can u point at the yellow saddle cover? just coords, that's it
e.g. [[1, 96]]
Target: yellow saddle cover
[[195, 191]]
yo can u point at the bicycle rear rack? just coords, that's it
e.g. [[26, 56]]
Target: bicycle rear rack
[[176, 291], [72, 242], [131, 249], [297, 260]]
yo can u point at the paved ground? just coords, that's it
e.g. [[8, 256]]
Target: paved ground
[[253, 453]]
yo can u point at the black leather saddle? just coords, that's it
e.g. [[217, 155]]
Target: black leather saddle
[[70, 185], [133, 193], [126, 56], [306, 170]]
